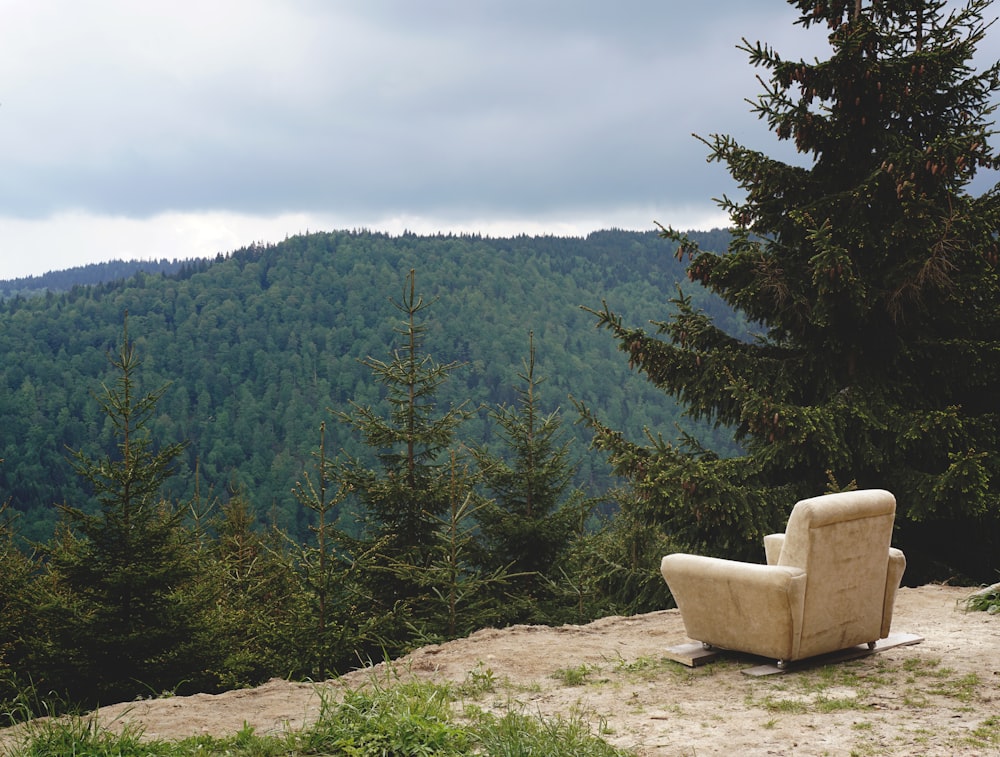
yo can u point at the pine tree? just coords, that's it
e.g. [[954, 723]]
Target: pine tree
[[118, 597], [404, 496], [871, 270]]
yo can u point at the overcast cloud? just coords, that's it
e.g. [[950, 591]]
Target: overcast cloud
[[178, 129]]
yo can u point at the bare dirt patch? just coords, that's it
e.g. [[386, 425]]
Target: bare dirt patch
[[939, 697]]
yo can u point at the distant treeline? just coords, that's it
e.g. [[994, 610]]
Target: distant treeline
[[258, 347], [87, 275]]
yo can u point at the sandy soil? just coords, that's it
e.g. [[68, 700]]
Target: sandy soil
[[938, 697]]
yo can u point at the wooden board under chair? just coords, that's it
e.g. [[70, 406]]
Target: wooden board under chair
[[694, 655]]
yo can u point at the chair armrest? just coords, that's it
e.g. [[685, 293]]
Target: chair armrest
[[742, 606], [772, 547], [897, 564]]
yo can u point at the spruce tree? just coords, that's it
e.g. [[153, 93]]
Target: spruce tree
[[257, 626], [18, 621], [527, 522], [614, 569], [458, 594], [406, 493], [328, 628], [870, 269], [119, 617]]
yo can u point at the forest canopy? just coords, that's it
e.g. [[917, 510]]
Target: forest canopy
[[256, 347]]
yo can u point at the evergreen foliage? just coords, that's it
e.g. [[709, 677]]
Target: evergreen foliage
[[458, 594], [871, 271], [138, 594], [615, 569], [259, 623], [410, 486], [528, 519], [329, 629], [88, 275], [18, 617], [118, 607], [405, 494], [258, 344], [404, 546]]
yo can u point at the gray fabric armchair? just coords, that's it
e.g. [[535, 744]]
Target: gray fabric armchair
[[830, 583]]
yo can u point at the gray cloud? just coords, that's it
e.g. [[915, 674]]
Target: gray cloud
[[122, 108], [367, 109]]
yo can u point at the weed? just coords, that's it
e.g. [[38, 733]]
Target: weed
[[83, 737], [915, 698], [865, 750], [515, 733], [478, 681], [835, 704], [574, 676], [400, 719], [912, 664], [641, 665]]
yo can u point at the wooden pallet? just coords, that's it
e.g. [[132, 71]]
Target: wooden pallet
[[694, 655]]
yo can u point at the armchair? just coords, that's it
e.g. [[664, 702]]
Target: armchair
[[829, 583]]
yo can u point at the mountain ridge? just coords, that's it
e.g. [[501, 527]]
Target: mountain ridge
[[258, 345]]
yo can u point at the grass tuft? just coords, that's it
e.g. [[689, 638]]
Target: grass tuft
[[404, 719], [576, 676], [984, 600], [83, 737]]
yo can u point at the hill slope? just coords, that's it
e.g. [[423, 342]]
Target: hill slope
[[259, 344], [55, 282]]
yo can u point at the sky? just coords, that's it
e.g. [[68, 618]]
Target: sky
[[176, 129]]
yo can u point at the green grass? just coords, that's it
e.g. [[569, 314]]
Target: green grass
[[402, 719], [576, 676], [987, 734], [964, 688], [778, 705], [920, 682], [478, 681], [984, 600], [394, 714]]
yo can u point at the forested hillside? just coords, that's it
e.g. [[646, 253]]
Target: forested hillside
[[86, 275], [258, 346]]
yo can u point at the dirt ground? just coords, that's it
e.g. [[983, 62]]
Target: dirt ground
[[938, 697]]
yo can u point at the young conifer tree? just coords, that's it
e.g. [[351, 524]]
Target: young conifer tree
[[459, 594], [118, 603], [328, 629], [258, 622], [407, 492], [870, 266], [529, 519], [18, 619]]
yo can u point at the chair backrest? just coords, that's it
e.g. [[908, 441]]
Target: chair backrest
[[842, 542]]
